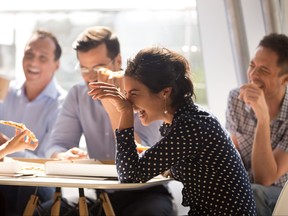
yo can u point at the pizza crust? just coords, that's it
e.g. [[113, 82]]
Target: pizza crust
[[21, 127], [112, 74]]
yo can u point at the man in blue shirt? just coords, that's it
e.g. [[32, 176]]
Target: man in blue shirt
[[36, 103], [96, 48]]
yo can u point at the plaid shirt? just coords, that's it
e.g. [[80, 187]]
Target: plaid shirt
[[241, 121]]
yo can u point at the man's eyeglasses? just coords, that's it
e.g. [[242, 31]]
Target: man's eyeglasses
[[94, 69]]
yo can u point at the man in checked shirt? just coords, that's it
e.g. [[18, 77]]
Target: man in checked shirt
[[257, 119]]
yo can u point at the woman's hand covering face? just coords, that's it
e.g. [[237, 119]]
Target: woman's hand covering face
[[111, 92]]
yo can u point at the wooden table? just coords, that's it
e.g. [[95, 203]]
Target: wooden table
[[101, 184]]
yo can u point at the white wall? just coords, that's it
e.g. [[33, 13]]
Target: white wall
[[217, 50], [254, 23], [217, 54]]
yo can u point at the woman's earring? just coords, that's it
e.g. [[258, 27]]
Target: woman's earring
[[165, 109]]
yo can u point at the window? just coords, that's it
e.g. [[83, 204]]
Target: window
[[174, 28]]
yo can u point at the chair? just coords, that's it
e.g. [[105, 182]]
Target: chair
[[281, 207]]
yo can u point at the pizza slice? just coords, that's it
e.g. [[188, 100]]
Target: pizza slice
[[140, 148], [112, 74], [21, 127]]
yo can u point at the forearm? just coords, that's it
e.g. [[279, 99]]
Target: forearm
[[114, 117], [126, 119], [113, 114], [264, 165]]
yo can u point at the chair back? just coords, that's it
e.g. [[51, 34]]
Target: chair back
[[281, 207]]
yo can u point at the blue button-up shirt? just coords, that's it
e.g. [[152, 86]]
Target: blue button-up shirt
[[39, 115]]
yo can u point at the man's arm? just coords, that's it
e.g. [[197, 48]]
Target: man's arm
[[67, 131], [267, 165], [263, 162]]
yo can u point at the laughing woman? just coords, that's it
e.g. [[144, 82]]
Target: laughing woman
[[194, 146]]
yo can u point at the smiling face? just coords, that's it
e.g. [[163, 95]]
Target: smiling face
[[150, 106], [264, 72], [97, 57], [39, 62]]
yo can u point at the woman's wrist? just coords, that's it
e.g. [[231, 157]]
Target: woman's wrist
[[126, 119]]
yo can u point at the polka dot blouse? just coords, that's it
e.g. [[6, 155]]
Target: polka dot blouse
[[200, 154]]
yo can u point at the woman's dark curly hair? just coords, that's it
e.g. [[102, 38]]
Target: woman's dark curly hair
[[159, 68]]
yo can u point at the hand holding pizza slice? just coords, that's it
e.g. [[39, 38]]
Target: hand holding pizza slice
[[21, 127]]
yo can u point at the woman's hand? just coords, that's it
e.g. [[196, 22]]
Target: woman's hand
[[18, 143], [106, 91], [22, 141]]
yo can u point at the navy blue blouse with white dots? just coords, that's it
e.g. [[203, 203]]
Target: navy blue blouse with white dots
[[200, 154]]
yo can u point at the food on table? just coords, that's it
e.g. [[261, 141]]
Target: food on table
[[140, 148]]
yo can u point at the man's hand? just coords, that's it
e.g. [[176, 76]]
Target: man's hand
[[74, 153], [252, 95]]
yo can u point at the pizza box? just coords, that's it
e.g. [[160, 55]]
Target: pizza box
[[9, 167], [34, 160], [21, 167], [81, 167]]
